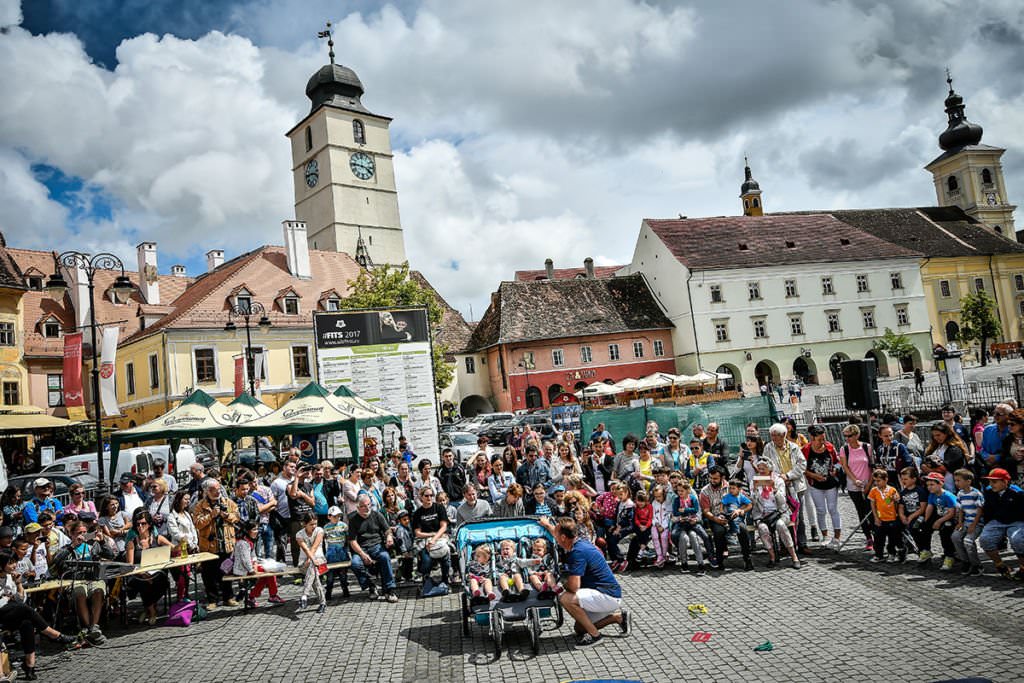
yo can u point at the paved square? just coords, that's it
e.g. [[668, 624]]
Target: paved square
[[838, 618]]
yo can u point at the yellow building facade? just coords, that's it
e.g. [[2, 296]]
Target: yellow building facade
[[948, 280]]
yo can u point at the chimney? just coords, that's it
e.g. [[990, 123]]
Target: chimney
[[178, 270], [297, 249], [214, 259], [588, 265], [149, 280], [549, 266]]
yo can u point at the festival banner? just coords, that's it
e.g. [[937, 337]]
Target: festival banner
[[74, 399], [239, 375], [108, 388]]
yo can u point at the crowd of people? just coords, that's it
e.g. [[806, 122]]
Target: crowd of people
[[654, 500]]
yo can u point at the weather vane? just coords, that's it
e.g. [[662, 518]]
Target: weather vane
[[330, 40], [949, 79]]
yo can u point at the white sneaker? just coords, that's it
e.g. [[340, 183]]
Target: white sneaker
[[835, 543]]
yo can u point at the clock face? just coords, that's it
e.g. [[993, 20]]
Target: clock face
[[312, 173], [991, 196], [361, 165]]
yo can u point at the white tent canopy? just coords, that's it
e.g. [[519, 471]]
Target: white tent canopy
[[597, 389], [657, 380]]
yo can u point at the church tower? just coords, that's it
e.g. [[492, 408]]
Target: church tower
[[969, 174], [750, 193], [343, 172]]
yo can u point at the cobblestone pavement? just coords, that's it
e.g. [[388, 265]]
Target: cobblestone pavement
[[838, 618]]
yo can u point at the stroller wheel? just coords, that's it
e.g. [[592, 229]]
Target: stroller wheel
[[466, 615], [497, 632], [559, 614], [535, 631]]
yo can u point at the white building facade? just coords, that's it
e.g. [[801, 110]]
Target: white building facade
[[761, 311]]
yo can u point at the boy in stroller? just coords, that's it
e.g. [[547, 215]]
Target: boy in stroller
[[509, 574], [541, 572]]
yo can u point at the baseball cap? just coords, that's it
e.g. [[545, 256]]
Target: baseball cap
[[41, 482], [30, 528], [159, 462], [936, 477], [402, 513], [333, 510], [998, 473], [556, 489], [126, 477]]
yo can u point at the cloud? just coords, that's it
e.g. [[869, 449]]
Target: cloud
[[522, 131]]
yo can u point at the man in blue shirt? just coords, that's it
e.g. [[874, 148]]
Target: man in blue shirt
[[42, 501], [592, 597], [994, 434], [534, 471]]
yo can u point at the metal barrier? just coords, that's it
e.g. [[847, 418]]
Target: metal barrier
[[907, 400]]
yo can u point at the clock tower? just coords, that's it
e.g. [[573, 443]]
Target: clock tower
[[343, 172], [969, 174]]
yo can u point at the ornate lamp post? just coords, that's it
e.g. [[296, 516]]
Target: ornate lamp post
[[56, 286], [246, 312]]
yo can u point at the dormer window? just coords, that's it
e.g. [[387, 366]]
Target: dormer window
[[333, 304], [243, 301], [51, 328], [358, 132], [291, 305], [35, 283]]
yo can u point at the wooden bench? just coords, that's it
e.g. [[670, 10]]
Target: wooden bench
[[291, 571]]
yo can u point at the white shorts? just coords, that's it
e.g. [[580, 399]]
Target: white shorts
[[596, 604]]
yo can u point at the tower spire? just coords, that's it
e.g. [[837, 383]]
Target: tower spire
[[960, 132], [362, 256], [330, 40], [750, 192]]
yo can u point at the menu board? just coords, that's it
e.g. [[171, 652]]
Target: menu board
[[384, 356]]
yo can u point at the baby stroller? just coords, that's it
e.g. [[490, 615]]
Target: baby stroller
[[501, 613]]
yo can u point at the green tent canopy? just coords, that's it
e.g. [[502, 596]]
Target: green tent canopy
[[246, 408], [314, 410], [198, 416]]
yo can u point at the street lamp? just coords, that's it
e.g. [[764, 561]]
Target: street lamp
[[525, 365], [56, 286], [246, 312]]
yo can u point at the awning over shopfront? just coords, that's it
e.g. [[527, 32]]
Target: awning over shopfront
[[30, 418]]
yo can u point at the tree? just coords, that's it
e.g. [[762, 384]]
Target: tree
[[385, 287], [978, 320], [897, 346]]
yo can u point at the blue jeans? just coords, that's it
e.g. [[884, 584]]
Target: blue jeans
[[265, 541], [381, 564], [427, 563], [994, 532]]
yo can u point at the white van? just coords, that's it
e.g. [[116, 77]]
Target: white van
[[138, 460]]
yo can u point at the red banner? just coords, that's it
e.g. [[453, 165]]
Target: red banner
[[74, 399], [239, 376]]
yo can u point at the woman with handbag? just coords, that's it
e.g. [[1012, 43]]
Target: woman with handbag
[[429, 526], [312, 561]]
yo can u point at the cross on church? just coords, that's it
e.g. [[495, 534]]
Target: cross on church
[[330, 40]]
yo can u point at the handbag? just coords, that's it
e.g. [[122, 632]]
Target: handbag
[[439, 549], [181, 613], [227, 565], [321, 569]]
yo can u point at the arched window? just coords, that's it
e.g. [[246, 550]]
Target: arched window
[[746, 203], [358, 132], [756, 203], [986, 176], [952, 184], [999, 230], [309, 138]]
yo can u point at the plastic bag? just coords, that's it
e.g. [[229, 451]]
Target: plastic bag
[[273, 566]]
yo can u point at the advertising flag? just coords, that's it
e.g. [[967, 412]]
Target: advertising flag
[[239, 375], [108, 390], [74, 399]]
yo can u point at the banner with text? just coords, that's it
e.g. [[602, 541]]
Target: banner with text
[[239, 376], [384, 356], [108, 388], [74, 399]]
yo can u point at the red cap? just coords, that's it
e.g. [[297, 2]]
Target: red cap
[[998, 473], [936, 477]]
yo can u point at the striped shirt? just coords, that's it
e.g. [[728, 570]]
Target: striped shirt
[[971, 501]]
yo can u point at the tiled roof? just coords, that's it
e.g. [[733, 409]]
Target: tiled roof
[[453, 332], [551, 309], [10, 274], [204, 304], [933, 231], [771, 240], [564, 273]]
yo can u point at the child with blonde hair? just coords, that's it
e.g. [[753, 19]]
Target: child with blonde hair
[[510, 578], [478, 572], [542, 568]]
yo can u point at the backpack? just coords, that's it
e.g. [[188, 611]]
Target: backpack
[[319, 499]]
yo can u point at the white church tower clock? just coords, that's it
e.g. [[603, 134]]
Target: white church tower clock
[[343, 169]]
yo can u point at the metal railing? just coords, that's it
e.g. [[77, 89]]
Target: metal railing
[[907, 400]]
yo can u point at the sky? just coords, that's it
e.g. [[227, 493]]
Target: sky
[[522, 130]]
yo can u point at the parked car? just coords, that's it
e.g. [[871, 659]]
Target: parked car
[[61, 484], [499, 432], [463, 443], [246, 457], [482, 420]]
